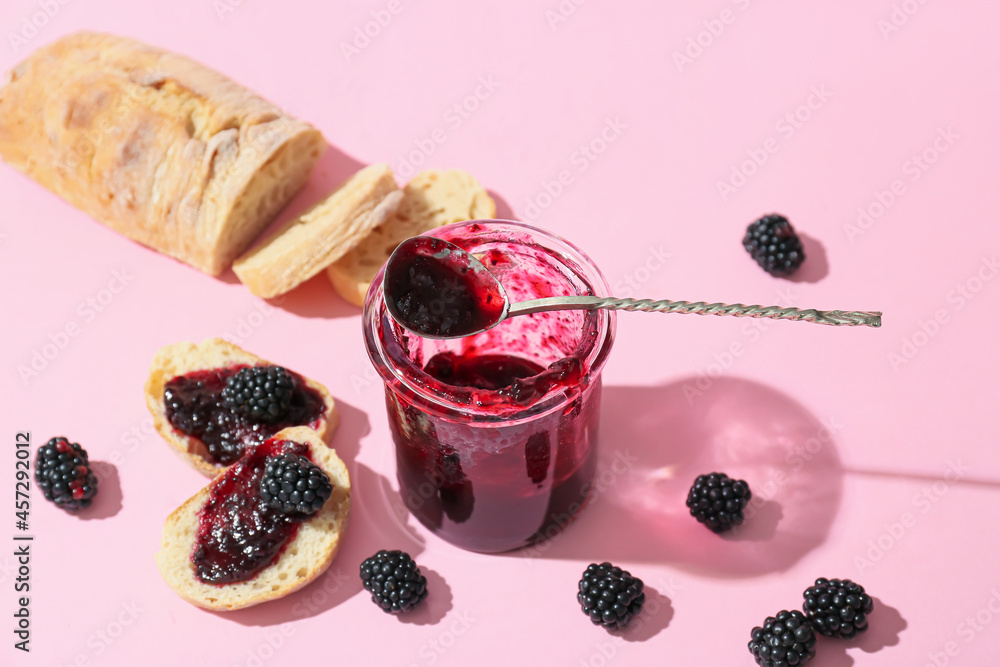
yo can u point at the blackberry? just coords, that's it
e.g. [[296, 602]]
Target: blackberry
[[718, 501], [785, 640], [260, 392], [837, 607], [62, 472], [774, 245], [394, 581], [610, 595], [293, 483]]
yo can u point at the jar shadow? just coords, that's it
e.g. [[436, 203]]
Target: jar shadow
[[656, 440]]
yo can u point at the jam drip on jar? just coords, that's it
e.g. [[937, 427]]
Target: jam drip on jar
[[238, 535], [195, 407], [436, 293]]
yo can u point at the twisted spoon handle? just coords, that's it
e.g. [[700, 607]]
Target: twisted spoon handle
[[829, 317]]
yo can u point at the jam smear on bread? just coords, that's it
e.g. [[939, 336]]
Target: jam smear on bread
[[197, 406], [238, 533]]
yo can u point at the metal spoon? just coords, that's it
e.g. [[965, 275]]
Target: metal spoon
[[466, 299]]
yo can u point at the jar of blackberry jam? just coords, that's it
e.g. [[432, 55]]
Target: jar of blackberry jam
[[496, 434]]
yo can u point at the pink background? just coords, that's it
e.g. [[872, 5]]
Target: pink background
[[896, 480]]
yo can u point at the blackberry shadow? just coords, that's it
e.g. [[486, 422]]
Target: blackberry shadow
[[816, 266], [884, 627], [656, 614], [437, 605], [108, 501]]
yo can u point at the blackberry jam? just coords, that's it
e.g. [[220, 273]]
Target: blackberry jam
[[436, 293], [195, 407], [495, 434], [238, 535]]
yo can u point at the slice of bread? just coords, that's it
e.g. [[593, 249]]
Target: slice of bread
[[183, 358], [306, 245], [433, 198], [306, 557]]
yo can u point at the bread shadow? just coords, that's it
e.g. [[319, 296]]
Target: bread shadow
[[338, 584], [377, 522], [108, 501], [504, 209], [389, 523], [816, 266], [315, 298], [656, 440], [352, 427], [389, 519], [229, 277], [884, 627]]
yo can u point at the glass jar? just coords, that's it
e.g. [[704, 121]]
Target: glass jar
[[496, 434]]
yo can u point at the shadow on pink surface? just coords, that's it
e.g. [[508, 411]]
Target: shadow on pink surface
[[816, 266], [504, 209], [657, 612], [884, 628], [315, 298], [656, 440], [366, 533], [957, 474], [108, 501], [228, 277], [437, 605]]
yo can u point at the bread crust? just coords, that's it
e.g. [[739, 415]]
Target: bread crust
[[305, 558], [154, 145], [432, 198], [306, 245], [182, 358]]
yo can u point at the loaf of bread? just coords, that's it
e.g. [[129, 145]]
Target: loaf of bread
[[182, 358], [304, 558], [156, 146], [431, 199], [306, 245]]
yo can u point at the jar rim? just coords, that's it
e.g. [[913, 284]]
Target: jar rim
[[597, 350]]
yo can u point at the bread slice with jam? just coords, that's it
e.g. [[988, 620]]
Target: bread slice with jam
[[206, 546]]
